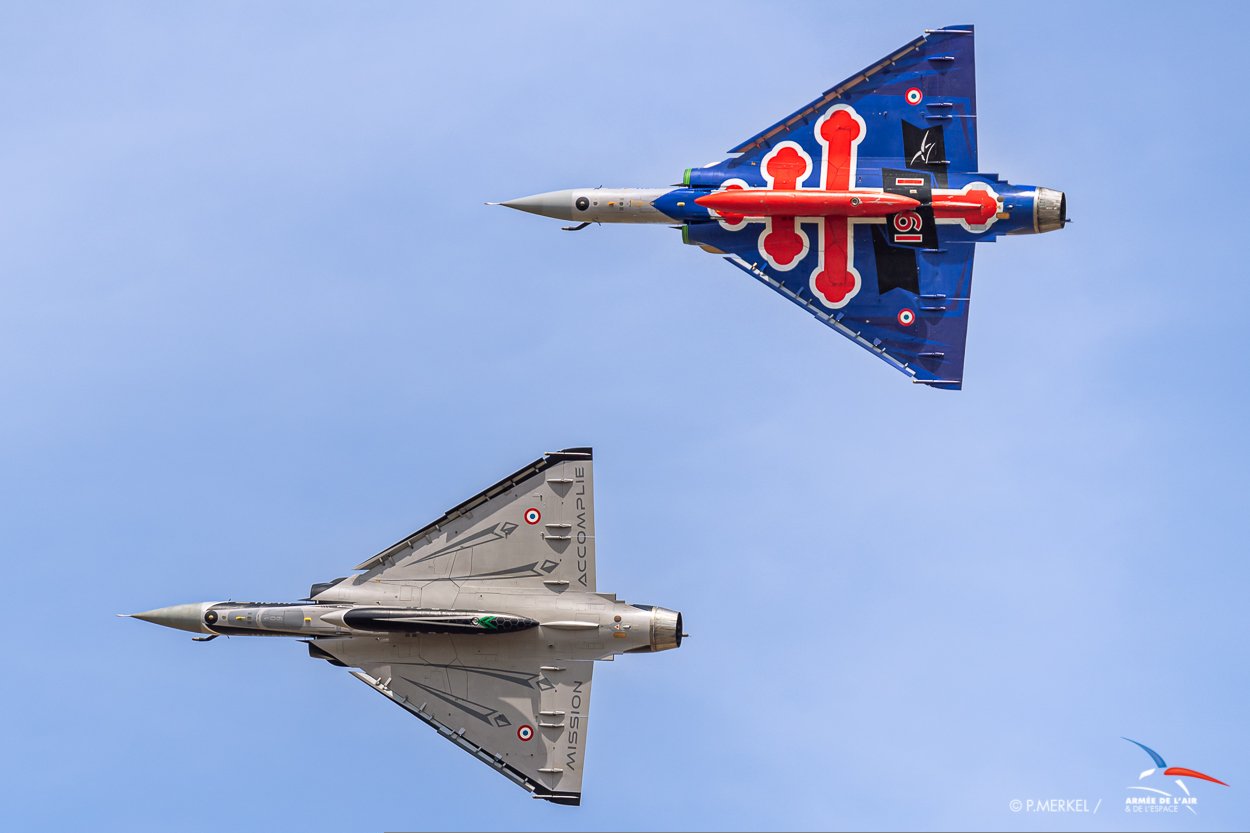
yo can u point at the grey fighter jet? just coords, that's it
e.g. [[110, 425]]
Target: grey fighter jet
[[484, 624]]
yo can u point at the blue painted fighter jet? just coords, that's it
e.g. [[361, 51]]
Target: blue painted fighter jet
[[862, 207]]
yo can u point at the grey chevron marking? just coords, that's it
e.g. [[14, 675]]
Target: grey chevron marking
[[481, 712], [520, 571], [493, 533], [516, 677]]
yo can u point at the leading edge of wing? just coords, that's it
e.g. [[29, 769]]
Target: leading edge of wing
[[537, 789], [538, 466], [838, 90]]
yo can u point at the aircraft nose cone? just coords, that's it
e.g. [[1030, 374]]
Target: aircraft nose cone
[[557, 204], [188, 617]]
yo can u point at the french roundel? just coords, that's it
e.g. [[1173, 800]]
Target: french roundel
[[525, 732], [906, 317], [913, 95], [533, 516]]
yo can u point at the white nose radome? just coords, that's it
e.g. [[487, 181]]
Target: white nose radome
[[188, 617], [595, 205], [556, 204]]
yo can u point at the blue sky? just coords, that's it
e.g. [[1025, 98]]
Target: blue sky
[[256, 324]]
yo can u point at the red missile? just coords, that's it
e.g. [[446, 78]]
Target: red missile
[[760, 202]]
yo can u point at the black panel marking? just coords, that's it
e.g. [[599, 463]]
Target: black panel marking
[[924, 149], [896, 265], [918, 227]]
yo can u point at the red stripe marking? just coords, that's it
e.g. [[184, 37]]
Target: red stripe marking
[[1189, 773], [840, 131], [835, 281]]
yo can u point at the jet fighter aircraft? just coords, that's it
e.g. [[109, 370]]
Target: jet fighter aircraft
[[862, 206], [485, 624]]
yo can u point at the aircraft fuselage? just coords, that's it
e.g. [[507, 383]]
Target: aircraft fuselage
[[985, 205], [593, 624]]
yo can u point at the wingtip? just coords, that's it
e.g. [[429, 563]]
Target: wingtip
[[940, 384], [578, 451]]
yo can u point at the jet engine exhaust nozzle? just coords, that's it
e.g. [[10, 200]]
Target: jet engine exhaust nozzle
[[666, 630], [1050, 210]]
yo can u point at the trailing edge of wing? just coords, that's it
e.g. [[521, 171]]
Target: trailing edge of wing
[[935, 359], [540, 465], [484, 755]]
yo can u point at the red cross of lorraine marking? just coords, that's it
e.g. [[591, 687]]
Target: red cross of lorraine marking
[[783, 243]]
